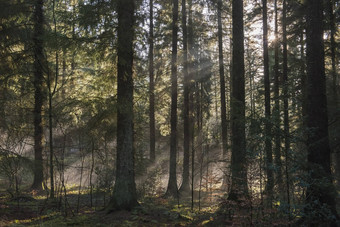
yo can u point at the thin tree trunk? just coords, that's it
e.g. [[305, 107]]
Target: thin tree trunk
[[320, 190], [38, 18], [285, 97], [334, 102], [81, 178], [172, 185], [201, 178], [185, 187], [124, 192], [91, 173], [268, 133], [51, 136], [191, 70], [152, 89], [303, 77], [63, 80], [276, 110], [51, 93], [239, 186], [224, 123], [333, 51]]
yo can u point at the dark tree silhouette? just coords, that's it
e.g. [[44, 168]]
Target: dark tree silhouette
[[320, 190], [172, 185], [285, 96], [151, 89], [224, 123], [38, 43], [124, 192], [267, 133], [276, 109], [185, 187], [239, 186]]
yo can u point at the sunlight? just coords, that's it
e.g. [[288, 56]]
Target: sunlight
[[271, 38]]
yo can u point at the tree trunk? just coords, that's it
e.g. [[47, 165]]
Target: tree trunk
[[191, 70], [334, 101], [224, 123], [185, 187], [267, 133], [276, 111], [285, 97], [124, 193], [51, 93], [333, 51], [151, 90], [172, 185], [38, 18], [320, 190], [239, 186]]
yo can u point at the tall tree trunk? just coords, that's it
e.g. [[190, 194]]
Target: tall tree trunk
[[172, 185], [51, 92], [268, 133], [320, 190], [38, 19], [276, 111], [151, 90], [124, 193], [333, 51], [285, 96], [334, 102], [191, 70], [224, 123], [239, 186], [185, 187], [303, 76]]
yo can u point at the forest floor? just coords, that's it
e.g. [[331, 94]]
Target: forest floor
[[28, 210]]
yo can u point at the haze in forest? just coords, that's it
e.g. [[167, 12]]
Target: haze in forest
[[169, 113]]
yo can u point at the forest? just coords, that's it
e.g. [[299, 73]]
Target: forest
[[169, 113]]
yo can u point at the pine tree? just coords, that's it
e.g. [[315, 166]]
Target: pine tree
[[321, 193], [185, 187], [151, 88], [267, 133], [38, 20], [124, 192], [172, 185], [224, 123], [239, 185]]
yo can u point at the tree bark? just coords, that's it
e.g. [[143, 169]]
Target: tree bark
[[152, 90], [285, 96], [267, 133], [185, 187], [333, 51], [191, 70], [38, 19], [172, 185], [224, 123], [124, 192], [276, 111], [239, 186], [320, 190]]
